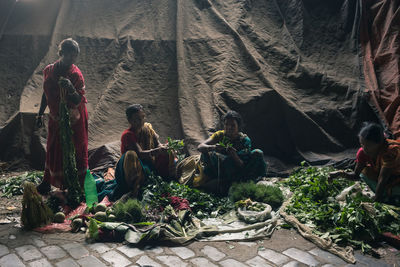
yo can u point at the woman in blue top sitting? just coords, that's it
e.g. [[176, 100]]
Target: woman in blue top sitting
[[227, 157]]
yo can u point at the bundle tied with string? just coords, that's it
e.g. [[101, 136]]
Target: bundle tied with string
[[35, 212], [70, 171]]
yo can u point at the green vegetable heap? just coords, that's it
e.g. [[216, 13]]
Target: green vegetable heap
[[358, 221], [13, 186], [129, 211], [156, 192], [69, 162], [271, 195]]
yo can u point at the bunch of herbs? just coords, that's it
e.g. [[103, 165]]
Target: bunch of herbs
[[225, 142], [176, 147]]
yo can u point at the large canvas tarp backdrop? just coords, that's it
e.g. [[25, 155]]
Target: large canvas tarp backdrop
[[293, 69]]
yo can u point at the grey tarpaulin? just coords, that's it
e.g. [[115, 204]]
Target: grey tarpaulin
[[291, 68]]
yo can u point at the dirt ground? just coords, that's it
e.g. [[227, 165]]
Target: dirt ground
[[10, 208]]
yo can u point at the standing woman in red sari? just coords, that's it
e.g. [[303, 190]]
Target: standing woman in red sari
[[65, 74]]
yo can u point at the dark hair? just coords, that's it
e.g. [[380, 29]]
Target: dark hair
[[132, 109], [68, 45], [372, 132], [231, 114]]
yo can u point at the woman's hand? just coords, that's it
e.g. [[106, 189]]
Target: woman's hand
[[232, 152], [67, 84], [351, 175], [160, 149], [218, 148], [381, 185], [210, 148], [163, 147], [336, 174]]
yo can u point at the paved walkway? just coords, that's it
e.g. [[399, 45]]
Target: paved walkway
[[285, 248]]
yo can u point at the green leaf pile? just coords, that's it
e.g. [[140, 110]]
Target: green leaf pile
[[269, 194], [358, 221], [129, 211], [14, 185], [156, 193]]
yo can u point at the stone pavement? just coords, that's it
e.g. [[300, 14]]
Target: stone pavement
[[285, 248]]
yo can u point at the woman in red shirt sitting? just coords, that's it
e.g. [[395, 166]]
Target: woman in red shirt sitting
[[141, 153], [377, 163]]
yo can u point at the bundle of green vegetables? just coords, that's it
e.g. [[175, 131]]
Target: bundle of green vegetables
[[176, 146], [225, 142], [129, 211], [35, 212], [358, 221], [268, 194], [13, 185], [156, 192], [68, 149]]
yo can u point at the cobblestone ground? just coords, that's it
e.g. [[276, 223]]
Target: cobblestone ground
[[285, 248]]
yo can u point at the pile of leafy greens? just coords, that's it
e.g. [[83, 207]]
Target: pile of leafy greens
[[156, 193], [14, 185], [129, 211], [269, 194], [358, 221]]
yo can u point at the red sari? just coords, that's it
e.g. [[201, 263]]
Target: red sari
[[79, 123]]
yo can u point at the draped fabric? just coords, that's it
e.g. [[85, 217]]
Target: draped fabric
[[303, 74], [380, 47]]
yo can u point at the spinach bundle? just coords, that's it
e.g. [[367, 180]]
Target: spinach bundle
[[70, 171]]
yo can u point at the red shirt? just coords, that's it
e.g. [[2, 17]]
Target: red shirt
[[363, 158], [388, 157], [52, 74], [128, 140]]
